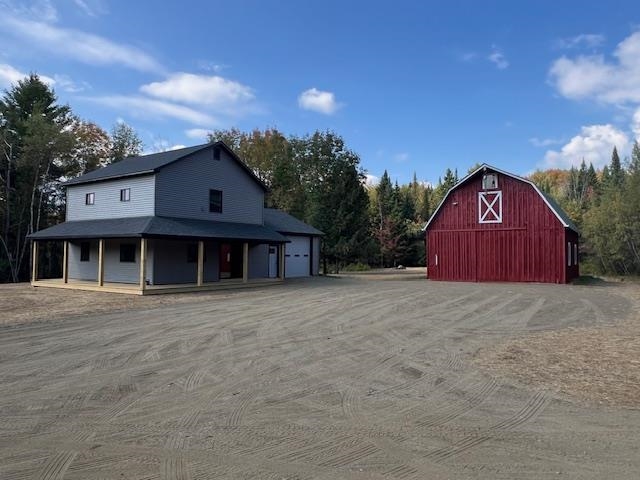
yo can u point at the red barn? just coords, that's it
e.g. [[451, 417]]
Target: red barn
[[494, 226]]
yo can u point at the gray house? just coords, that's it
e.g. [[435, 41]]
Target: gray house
[[187, 219]]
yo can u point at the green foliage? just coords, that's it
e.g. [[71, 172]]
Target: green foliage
[[125, 142]]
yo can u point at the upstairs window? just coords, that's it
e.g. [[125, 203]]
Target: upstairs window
[[489, 181], [215, 201], [125, 194], [85, 251], [216, 153], [89, 198], [127, 253]]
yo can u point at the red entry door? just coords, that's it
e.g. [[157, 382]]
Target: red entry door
[[225, 260]]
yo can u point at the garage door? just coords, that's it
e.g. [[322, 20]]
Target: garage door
[[297, 257]]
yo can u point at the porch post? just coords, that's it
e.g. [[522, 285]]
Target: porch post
[[34, 261], [101, 262], [65, 261], [200, 280], [143, 263], [281, 261], [245, 262]]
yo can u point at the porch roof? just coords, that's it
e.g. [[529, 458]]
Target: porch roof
[[158, 227]]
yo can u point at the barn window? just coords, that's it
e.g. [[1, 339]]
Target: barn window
[[575, 254], [490, 207], [489, 181], [568, 254]]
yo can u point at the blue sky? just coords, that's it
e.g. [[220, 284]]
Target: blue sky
[[412, 86]]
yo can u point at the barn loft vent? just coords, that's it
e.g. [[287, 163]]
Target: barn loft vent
[[489, 181]]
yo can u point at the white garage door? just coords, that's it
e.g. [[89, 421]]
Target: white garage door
[[297, 257]]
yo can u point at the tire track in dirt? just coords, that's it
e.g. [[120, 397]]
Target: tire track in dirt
[[532, 407], [56, 466]]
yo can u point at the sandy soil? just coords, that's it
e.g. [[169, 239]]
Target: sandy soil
[[326, 378]]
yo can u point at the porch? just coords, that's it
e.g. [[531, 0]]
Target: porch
[[133, 289], [167, 255]]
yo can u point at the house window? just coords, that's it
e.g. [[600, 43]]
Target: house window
[[89, 198], [125, 194], [127, 253], [568, 254], [216, 153], [85, 251], [192, 253], [575, 254], [215, 201]]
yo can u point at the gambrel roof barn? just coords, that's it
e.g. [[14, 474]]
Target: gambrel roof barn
[[496, 226]]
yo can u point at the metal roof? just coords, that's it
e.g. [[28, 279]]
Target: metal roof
[[551, 203], [147, 164], [157, 227], [284, 223]]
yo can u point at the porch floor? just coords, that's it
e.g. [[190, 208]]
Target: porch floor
[[134, 289]]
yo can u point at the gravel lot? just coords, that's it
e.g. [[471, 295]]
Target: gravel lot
[[364, 377]]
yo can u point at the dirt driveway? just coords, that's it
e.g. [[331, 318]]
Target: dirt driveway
[[328, 378]]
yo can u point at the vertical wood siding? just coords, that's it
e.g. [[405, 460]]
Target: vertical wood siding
[[107, 199], [182, 189], [529, 245]]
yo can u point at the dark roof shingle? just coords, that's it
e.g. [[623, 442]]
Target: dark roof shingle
[[157, 227], [284, 223], [146, 164]]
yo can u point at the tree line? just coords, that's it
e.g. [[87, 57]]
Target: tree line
[[43, 144], [315, 177]]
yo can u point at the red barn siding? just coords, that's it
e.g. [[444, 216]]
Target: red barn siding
[[530, 244]]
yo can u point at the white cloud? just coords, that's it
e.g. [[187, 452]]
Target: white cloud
[[198, 133], [93, 8], [151, 108], [496, 56], [208, 66], [401, 157], [594, 77], [371, 180], [162, 145], [10, 75], [318, 101], [635, 125], [587, 40], [85, 47], [468, 56], [68, 85], [213, 91], [594, 145], [544, 142]]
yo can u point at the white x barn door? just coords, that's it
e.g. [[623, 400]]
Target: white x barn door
[[490, 207]]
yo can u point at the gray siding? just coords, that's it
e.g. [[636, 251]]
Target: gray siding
[[107, 199], [259, 261], [114, 269], [182, 189], [315, 267], [171, 266], [83, 270]]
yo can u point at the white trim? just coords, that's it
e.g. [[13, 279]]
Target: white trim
[[482, 218], [489, 167]]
